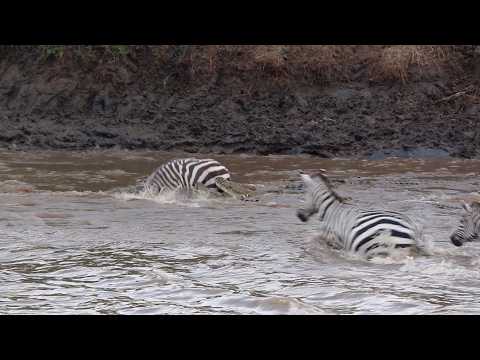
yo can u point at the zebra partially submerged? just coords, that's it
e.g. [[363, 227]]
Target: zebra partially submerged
[[367, 233], [190, 174], [469, 228], [186, 175]]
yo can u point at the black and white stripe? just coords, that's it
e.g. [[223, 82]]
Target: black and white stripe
[[186, 174], [469, 228], [362, 232]]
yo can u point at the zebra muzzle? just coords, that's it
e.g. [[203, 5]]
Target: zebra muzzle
[[456, 241], [302, 215]]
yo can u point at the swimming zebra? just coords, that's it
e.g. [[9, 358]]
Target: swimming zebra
[[363, 232], [186, 174], [469, 227]]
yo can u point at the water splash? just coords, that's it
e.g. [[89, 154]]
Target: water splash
[[198, 199]]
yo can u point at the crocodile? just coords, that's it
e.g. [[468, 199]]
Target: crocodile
[[235, 189]]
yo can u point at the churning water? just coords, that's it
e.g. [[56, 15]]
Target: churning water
[[74, 240]]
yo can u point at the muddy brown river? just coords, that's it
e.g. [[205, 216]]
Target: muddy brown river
[[74, 239]]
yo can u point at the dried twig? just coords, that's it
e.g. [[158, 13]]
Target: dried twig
[[458, 94]]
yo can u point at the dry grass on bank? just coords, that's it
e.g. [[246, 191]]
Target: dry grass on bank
[[395, 62], [308, 62]]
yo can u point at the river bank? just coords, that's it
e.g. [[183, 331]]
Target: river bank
[[133, 98]]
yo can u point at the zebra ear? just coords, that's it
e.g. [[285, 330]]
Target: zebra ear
[[307, 180], [466, 206]]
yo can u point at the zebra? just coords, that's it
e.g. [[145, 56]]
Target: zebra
[[186, 175], [469, 227], [366, 233]]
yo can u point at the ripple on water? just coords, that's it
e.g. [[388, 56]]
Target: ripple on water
[[78, 244]]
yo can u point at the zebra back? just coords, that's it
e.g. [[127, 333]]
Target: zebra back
[[186, 174]]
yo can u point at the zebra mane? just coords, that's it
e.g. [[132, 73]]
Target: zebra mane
[[326, 181], [471, 206], [475, 205]]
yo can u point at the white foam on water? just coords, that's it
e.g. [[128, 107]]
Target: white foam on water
[[318, 248], [271, 305], [324, 252], [395, 258], [439, 268], [160, 277], [167, 197]]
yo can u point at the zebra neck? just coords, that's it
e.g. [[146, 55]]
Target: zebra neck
[[337, 214], [329, 205]]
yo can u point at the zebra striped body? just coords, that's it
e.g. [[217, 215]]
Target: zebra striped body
[[186, 174], [364, 232]]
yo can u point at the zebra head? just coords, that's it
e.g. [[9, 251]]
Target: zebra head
[[319, 194], [315, 186], [310, 207], [469, 228]]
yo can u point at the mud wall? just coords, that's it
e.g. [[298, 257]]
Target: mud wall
[[136, 101]]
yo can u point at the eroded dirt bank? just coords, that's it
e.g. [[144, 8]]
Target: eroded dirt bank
[[134, 101]]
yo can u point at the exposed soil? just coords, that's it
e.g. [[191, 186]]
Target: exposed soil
[[60, 104]]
